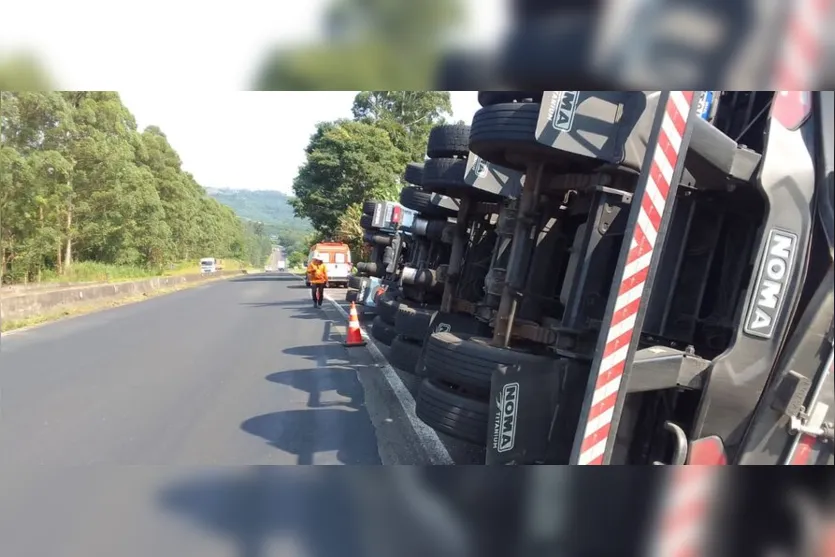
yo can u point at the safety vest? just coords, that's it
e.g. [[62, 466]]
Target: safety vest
[[317, 274]]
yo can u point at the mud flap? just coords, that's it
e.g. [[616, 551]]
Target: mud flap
[[528, 406]]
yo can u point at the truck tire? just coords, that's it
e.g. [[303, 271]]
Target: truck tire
[[469, 361], [365, 222], [446, 176], [413, 323], [449, 140], [504, 134], [421, 201], [387, 308], [404, 354], [368, 207], [489, 98], [456, 414], [435, 229], [382, 331], [414, 173]]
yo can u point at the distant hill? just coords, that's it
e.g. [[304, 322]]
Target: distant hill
[[271, 208]]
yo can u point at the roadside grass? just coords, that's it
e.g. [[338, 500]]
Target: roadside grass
[[73, 310], [91, 272]]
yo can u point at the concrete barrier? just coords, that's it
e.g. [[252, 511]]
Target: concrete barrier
[[21, 306]]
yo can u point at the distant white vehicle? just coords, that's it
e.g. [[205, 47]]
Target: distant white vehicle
[[209, 265]]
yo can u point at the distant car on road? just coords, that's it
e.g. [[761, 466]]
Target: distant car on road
[[209, 265]]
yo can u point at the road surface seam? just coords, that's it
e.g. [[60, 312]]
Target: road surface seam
[[436, 451]]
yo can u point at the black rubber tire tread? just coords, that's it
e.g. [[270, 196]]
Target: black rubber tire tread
[[365, 222], [368, 207], [413, 323], [435, 229], [382, 332], [448, 140], [356, 282], [418, 200], [387, 307], [461, 70], [446, 176], [508, 127], [489, 98], [459, 416], [526, 58], [414, 173], [469, 362], [352, 295], [404, 354]]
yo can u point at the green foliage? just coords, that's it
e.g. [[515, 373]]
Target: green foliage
[[23, 72], [79, 183], [407, 116], [351, 161], [273, 210], [347, 161], [370, 43]]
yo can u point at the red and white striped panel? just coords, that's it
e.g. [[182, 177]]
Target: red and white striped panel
[[682, 527], [800, 58], [621, 328]]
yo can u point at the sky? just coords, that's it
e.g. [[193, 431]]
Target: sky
[[249, 140], [184, 70], [86, 44]]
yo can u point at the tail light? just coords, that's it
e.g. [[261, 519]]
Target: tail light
[[791, 108], [707, 451], [395, 215]]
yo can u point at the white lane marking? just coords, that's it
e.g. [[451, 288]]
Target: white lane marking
[[434, 447]]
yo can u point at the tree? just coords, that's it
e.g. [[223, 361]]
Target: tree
[[392, 42], [23, 72], [407, 116], [79, 183], [347, 162]]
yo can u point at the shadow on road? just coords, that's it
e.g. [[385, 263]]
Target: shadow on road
[[361, 512], [348, 434], [304, 308], [258, 507], [341, 380], [321, 353]]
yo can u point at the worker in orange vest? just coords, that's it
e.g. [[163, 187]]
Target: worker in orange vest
[[317, 276]]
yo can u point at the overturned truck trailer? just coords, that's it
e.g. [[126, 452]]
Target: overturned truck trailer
[[664, 293]]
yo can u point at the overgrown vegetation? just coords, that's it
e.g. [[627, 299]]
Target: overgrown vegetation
[[79, 183], [353, 160]]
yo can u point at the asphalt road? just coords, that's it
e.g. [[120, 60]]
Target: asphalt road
[[114, 423]]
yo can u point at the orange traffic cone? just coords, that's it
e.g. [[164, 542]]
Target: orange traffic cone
[[354, 336]]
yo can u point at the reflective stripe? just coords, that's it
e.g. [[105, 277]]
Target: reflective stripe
[[317, 274]]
